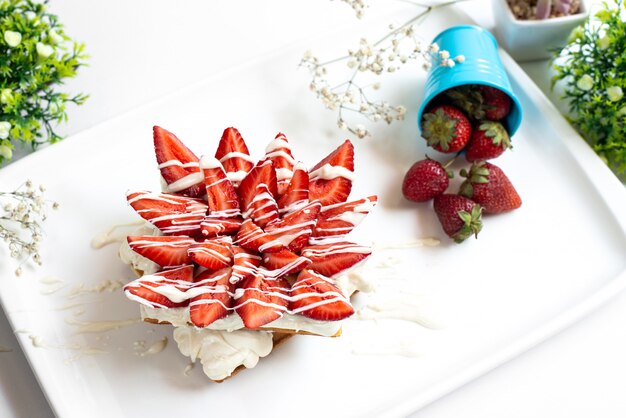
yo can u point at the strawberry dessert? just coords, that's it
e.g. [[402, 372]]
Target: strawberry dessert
[[237, 254]]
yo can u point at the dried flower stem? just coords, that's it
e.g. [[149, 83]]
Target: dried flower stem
[[387, 55], [22, 213]]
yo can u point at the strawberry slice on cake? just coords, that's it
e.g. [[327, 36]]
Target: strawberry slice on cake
[[232, 152], [331, 178], [179, 166]]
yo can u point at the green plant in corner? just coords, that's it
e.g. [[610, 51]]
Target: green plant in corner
[[592, 68], [35, 57]]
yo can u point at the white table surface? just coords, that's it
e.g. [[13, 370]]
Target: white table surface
[[144, 49]]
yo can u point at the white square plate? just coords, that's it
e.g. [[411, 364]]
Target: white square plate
[[530, 273]]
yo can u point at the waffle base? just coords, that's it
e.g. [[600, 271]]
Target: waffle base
[[274, 330]]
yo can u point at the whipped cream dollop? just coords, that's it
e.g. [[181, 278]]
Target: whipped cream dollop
[[221, 352], [135, 260]]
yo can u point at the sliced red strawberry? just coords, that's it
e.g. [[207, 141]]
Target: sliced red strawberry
[[178, 165], [165, 251], [297, 192], [294, 230], [279, 151], [263, 208], [336, 258], [316, 297], [253, 238], [213, 297], [341, 218], [214, 254], [165, 289], [282, 263], [221, 194], [331, 178], [184, 273], [233, 153], [257, 193], [245, 265], [173, 215], [215, 225], [260, 301]]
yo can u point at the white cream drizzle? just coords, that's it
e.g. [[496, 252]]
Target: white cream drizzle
[[49, 280], [39, 342], [277, 143], [104, 286], [283, 174], [208, 162], [91, 327], [189, 368], [186, 182], [236, 177], [235, 154], [169, 163], [154, 348], [116, 233], [330, 172], [281, 154]]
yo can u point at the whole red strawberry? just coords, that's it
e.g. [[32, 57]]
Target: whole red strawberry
[[496, 103], [459, 216], [489, 140], [481, 102], [488, 186], [425, 180], [446, 128]]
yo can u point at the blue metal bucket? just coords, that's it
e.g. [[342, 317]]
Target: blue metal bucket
[[482, 65]]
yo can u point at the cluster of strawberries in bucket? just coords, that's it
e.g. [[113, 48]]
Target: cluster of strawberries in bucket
[[465, 120]]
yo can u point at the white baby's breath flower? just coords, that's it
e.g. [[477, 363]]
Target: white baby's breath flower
[[460, 59], [6, 152], [43, 50], [585, 83], [603, 43], [444, 54], [615, 93], [12, 38], [5, 95], [5, 127], [361, 132], [56, 38]]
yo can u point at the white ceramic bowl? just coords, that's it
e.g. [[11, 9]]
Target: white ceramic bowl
[[527, 40]]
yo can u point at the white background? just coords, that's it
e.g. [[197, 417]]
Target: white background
[[144, 49]]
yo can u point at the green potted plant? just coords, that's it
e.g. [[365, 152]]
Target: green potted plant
[[36, 56], [592, 71]]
